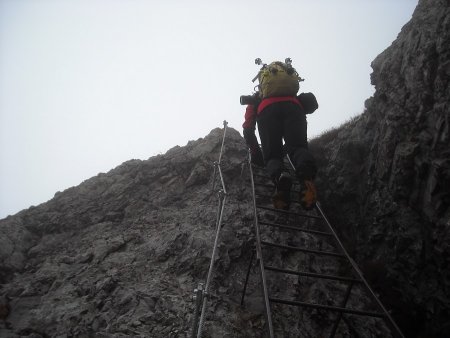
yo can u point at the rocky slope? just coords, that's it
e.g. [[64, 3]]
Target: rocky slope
[[385, 176], [121, 254]]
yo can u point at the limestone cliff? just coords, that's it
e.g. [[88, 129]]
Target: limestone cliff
[[385, 175], [120, 254]]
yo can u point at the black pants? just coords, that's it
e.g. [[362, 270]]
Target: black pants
[[285, 121]]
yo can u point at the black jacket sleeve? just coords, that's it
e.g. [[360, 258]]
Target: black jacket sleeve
[[252, 143]]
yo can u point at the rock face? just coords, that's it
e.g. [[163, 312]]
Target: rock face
[[120, 254], [385, 176]]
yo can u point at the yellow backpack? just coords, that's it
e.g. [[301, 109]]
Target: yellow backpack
[[278, 79]]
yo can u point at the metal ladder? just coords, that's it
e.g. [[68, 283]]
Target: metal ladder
[[316, 284]]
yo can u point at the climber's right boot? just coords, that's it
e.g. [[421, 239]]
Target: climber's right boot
[[281, 199]]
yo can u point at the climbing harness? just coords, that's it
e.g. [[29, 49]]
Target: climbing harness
[[201, 293], [312, 228]]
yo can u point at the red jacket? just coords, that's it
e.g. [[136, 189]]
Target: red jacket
[[251, 112]]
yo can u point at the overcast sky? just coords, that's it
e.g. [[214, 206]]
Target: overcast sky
[[87, 85]]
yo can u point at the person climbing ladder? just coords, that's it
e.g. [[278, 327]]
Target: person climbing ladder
[[281, 116]]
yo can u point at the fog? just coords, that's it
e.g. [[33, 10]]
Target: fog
[[87, 85]]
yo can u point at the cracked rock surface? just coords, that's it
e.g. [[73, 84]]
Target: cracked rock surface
[[120, 254], [385, 175]]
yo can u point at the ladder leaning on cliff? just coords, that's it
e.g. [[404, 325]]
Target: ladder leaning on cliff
[[308, 227]]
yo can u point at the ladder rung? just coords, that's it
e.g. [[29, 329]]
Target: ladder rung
[[272, 187], [257, 167], [290, 227], [262, 176], [325, 253], [288, 212], [264, 185], [329, 308], [269, 196], [315, 275], [294, 182]]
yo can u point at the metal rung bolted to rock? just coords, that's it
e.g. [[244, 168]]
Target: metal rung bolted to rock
[[310, 225]]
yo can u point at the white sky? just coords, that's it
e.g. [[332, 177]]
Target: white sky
[[87, 85]]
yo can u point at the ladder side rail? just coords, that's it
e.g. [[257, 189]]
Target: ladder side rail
[[340, 314], [391, 321], [259, 256]]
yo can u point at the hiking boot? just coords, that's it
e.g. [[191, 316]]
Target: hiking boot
[[308, 195], [281, 199]]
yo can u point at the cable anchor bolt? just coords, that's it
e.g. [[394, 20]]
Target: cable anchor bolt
[[198, 292]]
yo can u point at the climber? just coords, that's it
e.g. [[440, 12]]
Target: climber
[[280, 118], [283, 117], [250, 137]]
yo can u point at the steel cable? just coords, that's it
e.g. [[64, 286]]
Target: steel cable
[[204, 292]]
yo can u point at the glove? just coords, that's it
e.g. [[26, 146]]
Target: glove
[[252, 143], [257, 157]]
